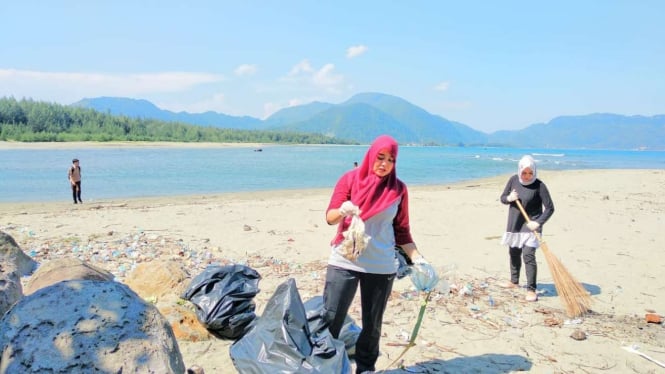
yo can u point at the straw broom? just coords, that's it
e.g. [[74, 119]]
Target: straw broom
[[575, 298]]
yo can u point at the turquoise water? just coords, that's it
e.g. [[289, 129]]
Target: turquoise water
[[41, 175]]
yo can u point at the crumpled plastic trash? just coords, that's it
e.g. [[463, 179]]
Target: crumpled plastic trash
[[424, 277], [355, 239]]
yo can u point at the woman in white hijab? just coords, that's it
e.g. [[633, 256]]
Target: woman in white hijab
[[519, 237]]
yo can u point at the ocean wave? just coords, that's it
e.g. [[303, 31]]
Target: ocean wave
[[550, 154]]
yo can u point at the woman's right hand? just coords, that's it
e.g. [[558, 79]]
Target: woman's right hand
[[512, 196], [348, 208]]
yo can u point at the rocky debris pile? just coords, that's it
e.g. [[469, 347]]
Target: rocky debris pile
[[11, 290], [13, 264], [10, 252]]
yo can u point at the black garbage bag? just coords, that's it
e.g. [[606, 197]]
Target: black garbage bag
[[281, 341], [224, 299], [349, 332]]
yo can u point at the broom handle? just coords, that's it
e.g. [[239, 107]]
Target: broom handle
[[526, 217]]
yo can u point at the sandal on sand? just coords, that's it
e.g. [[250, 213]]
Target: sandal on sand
[[510, 284], [531, 296]]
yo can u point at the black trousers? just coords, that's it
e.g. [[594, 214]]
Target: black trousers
[[76, 191], [340, 289], [530, 265]]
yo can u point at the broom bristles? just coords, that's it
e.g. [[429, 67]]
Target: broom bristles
[[575, 298]]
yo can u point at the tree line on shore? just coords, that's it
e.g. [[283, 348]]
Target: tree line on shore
[[27, 120]]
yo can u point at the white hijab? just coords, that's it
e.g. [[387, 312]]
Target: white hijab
[[526, 162]]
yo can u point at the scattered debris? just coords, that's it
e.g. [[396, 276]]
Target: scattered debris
[[635, 349], [578, 335], [653, 318]]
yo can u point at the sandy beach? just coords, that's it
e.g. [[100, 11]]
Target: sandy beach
[[606, 231]]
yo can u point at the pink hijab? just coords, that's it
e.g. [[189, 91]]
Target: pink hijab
[[371, 193]]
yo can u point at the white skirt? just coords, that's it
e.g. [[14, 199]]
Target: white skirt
[[519, 239]]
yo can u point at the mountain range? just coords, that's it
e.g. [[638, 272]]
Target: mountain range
[[366, 115]]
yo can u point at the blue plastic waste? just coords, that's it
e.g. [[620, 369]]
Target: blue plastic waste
[[424, 277]]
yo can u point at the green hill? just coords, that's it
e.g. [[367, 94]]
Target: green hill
[[365, 115]]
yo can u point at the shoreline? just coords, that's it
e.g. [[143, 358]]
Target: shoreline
[[151, 144], [126, 144], [242, 195], [155, 201], [262, 194], [167, 144]]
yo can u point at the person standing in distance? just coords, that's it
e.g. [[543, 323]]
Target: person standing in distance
[[75, 180], [373, 192], [519, 237]]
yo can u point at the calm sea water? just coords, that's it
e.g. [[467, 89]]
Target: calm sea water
[[41, 175]]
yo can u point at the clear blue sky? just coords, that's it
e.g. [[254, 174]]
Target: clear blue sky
[[492, 65]]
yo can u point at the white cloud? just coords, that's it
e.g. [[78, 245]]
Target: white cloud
[[67, 87], [245, 70], [303, 67], [296, 102], [355, 51], [443, 86], [326, 76]]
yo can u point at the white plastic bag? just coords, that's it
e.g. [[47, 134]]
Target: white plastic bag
[[355, 239]]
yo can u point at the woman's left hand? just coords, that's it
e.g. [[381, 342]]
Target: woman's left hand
[[420, 260], [533, 225]]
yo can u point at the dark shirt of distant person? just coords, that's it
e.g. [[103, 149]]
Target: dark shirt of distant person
[[74, 175]]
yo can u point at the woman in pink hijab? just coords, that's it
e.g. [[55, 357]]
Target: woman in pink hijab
[[519, 237], [373, 193]]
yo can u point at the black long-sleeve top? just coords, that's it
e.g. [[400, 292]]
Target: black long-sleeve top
[[535, 199]]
